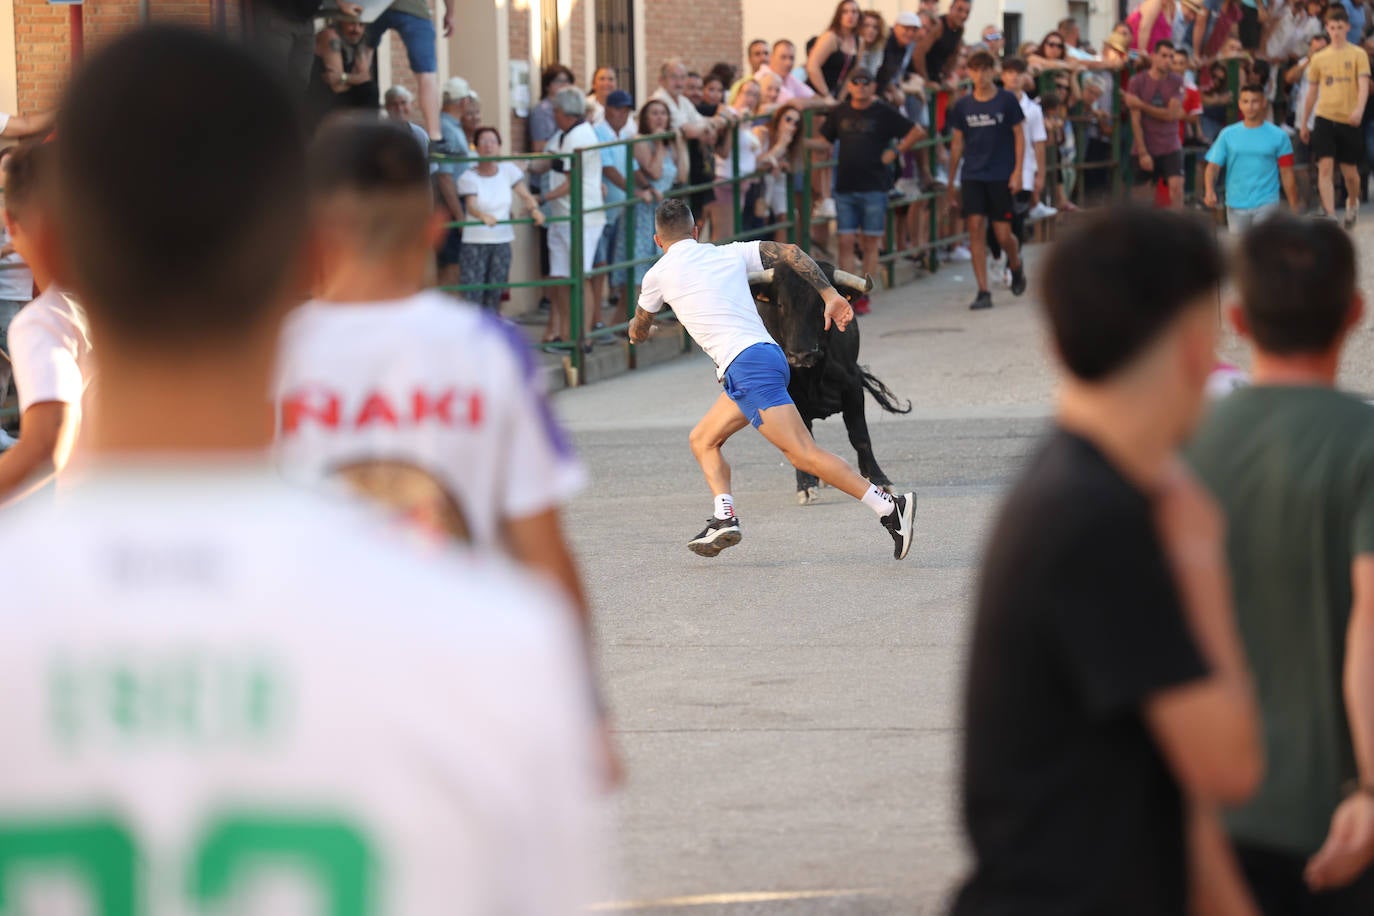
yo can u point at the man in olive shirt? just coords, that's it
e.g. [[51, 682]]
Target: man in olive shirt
[[1291, 461]]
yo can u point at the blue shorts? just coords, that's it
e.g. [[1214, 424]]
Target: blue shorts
[[864, 211], [417, 34], [757, 380], [605, 249]]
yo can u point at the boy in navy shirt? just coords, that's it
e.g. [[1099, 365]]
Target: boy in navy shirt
[[989, 139]]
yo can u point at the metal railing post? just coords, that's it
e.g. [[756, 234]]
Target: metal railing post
[[804, 217], [735, 181], [936, 203], [627, 223], [1118, 178], [575, 303]]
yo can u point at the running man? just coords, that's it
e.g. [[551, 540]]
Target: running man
[[991, 142], [224, 693], [1340, 76], [708, 289], [1257, 156]]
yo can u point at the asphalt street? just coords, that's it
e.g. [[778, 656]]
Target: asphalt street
[[790, 711]]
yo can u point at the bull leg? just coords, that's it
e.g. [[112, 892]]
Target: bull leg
[[807, 484], [856, 425]]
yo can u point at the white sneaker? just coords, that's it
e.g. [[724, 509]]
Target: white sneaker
[[826, 208], [1006, 277], [961, 253], [1041, 211]]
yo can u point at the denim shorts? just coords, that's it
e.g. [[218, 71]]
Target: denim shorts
[[757, 380], [605, 249], [862, 211], [417, 34]]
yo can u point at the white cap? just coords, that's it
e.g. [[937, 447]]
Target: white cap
[[456, 89], [908, 18]]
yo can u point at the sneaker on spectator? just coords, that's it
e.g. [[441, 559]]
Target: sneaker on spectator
[[960, 253], [1352, 216], [983, 301], [1018, 281], [1041, 211], [825, 209], [1006, 277], [861, 306]]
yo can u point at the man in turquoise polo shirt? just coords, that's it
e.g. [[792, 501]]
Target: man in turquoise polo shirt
[[1257, 156]]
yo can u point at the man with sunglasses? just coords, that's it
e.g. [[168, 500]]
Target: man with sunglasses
[[865, 127], [993, 40]]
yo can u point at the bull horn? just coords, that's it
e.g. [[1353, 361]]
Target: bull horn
[[760, 276], [845, 278]]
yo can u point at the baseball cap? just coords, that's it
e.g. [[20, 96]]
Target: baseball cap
[[908, 18], [457, 89], [620, 99]]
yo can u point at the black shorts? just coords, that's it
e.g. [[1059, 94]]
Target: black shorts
[[987, 198], [1341, 142], [1249, 28], [453, 244], [1169, 165]]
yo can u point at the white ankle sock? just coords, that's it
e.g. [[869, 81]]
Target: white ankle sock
[[725, 506], [878, 501]]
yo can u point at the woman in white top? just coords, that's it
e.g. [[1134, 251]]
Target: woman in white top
[[487, 190], [745, 103]]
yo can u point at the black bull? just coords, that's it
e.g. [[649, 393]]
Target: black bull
[[826, 375]]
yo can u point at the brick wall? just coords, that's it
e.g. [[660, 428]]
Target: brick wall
[[42, 38], [701, 33]]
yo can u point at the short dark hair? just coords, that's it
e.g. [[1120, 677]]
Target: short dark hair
[[27, 168], [486, 129], [1336, 13], [757, 41], [200, 237], [366, 155], [1114, 284], [1252, 87], [1014, 64], [982, 60], [1163, 43], [551, 73], [674, 219], [1049, 101], [1297, 282]]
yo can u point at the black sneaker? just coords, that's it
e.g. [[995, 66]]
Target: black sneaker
[[900, 522], [440, 148], [1018, 280], [984, 300], [718, 534]]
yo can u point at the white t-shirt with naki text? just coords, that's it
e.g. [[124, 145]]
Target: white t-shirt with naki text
[[707, 287], [50, 347], [232, 695], [428, 382]]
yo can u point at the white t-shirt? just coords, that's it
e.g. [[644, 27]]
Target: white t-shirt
[[429, 382], [16, 280], [749, 148], [1034, 131], [240, 697], [50, 347], [680, 110], [493, 193], [583, 135], [707, 287]]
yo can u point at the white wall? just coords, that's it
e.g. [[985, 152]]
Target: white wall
[[798, 20]]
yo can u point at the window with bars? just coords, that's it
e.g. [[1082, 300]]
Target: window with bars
[[615, 40]]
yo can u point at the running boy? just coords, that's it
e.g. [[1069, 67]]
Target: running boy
[[989, 140]]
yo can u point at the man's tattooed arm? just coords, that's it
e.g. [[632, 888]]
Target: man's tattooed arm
[[641, 325], [774, 253]]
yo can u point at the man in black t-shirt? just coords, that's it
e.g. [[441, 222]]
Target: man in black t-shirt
[[1108, 703], [938, 48], [865, 129]]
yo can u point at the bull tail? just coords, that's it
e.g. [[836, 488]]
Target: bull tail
[[886, 399]]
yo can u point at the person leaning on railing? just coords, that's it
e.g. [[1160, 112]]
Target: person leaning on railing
[[659, 163], [487, 190], [739, 146]]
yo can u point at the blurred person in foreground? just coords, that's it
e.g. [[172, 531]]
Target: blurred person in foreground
[[1291, 461], [378, 368], [1109, 708], [228, 693], [16, 285], [49, 340]]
